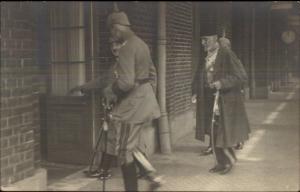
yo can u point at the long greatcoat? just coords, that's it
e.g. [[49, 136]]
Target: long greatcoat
[[234, 125], [137, 102], [136, 105]]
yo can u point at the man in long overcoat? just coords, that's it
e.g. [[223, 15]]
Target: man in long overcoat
[[220, 71]]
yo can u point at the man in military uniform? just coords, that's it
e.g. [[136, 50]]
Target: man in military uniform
[[133, 95], [223, 72]]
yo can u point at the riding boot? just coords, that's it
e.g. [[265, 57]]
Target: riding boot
[[104, 168], [142, 172], [233, 154], [129, 176]]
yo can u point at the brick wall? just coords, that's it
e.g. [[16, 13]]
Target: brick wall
[[19, 105], [179, 56]]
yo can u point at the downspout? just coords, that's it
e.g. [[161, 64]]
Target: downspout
[[164, 130], [93, 102], [252, 64]]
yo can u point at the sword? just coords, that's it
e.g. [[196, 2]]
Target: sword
[[215, 112]]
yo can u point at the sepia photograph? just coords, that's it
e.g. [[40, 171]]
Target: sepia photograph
[[150, 96]]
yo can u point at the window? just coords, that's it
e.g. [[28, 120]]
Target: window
[[67, 46]]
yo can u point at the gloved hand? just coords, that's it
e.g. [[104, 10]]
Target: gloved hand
[[80, 88], [109, 96], [194, 98]]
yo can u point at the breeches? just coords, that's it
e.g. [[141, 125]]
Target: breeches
[[123, 140]]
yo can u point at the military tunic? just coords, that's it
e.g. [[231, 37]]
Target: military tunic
[[136, 105]]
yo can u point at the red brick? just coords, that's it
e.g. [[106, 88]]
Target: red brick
[[14, 140], [6, 132], [29, 155], [24, 147], [29, 172], [4, 162], [7, 172], [4, 122], [4, 142], [29, 136], [14, 159], [6, 152], [24, 165], [6, 113], [28, 44], [13, 121]]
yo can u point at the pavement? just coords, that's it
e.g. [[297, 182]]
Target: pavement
[[269, 160]]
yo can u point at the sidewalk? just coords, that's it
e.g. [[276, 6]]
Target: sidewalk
[[268, 162]]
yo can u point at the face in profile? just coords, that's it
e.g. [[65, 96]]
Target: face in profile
[[115, 46], [208, 42], [115, 32]]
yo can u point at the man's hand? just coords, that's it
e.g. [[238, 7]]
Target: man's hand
[[194, 98], [216, 84], [79, 88], [110, 97]]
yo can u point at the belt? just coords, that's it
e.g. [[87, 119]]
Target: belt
[[142, 81]]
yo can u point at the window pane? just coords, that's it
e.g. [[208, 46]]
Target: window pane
[[76, 45], [77, 74], [58, 14], [76, 14], [67, 45], [59, 79], [59, 46]]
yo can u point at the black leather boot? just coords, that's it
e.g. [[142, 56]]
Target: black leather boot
[[129, 177], [208, 150], [239, 146], [104, 172]]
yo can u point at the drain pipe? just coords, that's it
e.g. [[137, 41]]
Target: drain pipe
[[164, 131], [92, 57]]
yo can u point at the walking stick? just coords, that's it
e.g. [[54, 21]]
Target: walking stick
[[103, 132], [107, 117], [89, 172], [215, 112]]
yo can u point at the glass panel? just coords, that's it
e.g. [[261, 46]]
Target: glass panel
[[76, 45], [58, 14], [77, 74], [59, 46], [76, 14], [67, 45], [59, 79]]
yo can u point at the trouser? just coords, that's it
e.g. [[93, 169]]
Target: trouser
[[129, 155], [106, 161], [129, 176], [223, 155], [129, 171]]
